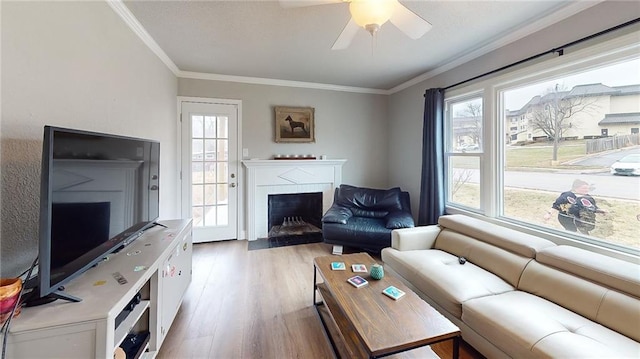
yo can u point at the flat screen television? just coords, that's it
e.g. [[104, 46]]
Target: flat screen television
[[98, 193]]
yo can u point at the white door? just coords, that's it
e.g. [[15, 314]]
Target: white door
[[210, 169]]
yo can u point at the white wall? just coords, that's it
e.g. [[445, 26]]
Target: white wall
[[406, 107], [77, 65], [347, 125]]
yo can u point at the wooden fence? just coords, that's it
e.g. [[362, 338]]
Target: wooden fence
[[612, 143]]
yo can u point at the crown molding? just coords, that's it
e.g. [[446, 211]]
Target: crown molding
[[543, 22], [277, 82], [121, 9]]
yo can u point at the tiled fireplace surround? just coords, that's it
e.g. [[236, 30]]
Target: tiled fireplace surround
[[265, 177]]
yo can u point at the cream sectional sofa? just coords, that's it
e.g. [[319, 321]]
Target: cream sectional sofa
[[518, 295]]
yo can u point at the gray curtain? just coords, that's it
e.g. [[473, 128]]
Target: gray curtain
[[432, 181]]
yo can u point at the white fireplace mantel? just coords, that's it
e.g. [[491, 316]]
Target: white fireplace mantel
[[265, 177]]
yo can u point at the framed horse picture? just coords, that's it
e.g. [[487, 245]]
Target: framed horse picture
[[295, 124]]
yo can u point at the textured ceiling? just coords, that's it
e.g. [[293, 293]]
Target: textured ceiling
[[262, 39]]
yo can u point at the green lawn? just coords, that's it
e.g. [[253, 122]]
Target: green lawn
[[619, 225], [539, 155]]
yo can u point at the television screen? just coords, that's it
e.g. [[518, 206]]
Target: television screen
[[98, 193]]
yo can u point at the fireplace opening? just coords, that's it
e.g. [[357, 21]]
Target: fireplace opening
[[294, 218]]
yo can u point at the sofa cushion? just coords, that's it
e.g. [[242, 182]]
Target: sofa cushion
[[611, 272], [361, 232], [509, 239], [439, 275], [503, 263], [601, 304], [399, 219], [421, 237], [589, 340], [527, 326], [369, 199], [337, 214], [368, 213]]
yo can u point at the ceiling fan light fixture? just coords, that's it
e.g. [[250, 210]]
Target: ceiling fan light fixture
[[371, 14], [372, 28]]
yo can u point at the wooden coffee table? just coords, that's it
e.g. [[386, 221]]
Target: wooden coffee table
[[364, 323]]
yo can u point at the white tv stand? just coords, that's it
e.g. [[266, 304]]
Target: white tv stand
[[157, 265]]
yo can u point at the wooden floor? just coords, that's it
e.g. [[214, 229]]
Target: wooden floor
[[255, 304]]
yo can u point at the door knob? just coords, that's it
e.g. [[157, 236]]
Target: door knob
[[233, 175], [233, 185]]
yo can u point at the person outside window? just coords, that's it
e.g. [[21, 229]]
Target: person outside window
[[576, 208]]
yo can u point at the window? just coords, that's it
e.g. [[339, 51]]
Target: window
[[464, 148], [555, 172]]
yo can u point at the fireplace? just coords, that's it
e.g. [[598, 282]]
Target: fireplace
[[278, 177], [294, 218]]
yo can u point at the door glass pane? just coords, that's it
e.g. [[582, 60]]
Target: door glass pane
[[209, 148], [197, 176], [210, 127], [223, 194], [196, 213], [197, 150], [223, 171], [196, 126], [210, 174], [223, 127], [197, 195], [223, 150], [209, 195]]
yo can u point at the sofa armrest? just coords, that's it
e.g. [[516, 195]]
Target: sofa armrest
[[407, 239], [337, 214], [399, 219]]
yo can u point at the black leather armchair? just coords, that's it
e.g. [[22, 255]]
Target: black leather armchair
[[364, 217]]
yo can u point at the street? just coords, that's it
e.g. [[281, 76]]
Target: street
[[606, 159], [604, 183]]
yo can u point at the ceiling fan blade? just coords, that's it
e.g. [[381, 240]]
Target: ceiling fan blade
[[347, 34], [289, 4], [409, 23]]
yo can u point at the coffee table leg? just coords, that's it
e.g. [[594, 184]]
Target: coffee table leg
[[456, 347], [315, 284]]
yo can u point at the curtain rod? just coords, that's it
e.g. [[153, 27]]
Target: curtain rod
[[559, 50]]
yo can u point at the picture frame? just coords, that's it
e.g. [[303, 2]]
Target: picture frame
[[295, 124]]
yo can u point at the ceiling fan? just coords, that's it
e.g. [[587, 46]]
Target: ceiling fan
[[371, 15]]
